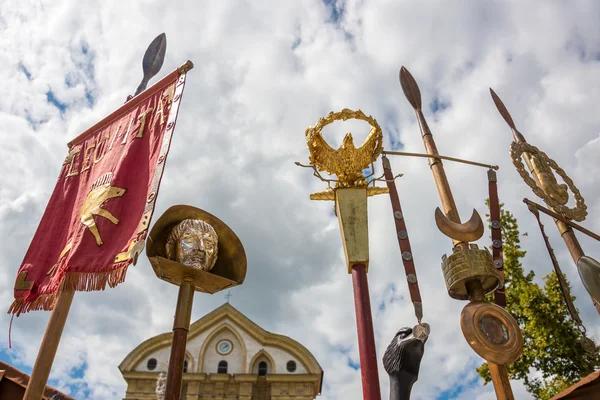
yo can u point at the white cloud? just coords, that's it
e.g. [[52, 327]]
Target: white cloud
[[263, 72]]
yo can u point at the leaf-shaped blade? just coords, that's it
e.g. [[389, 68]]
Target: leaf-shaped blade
[[153, 60], [502, 109], [410, 88]]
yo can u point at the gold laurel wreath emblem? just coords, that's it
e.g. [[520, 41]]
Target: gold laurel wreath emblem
[[347, 162], [579, 212]]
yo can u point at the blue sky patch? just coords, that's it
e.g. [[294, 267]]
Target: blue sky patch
[[25, 71], [353, 364], [336, 10], [438, 105], [55, 102]]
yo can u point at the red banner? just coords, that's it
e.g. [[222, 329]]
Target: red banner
[[98, 216]]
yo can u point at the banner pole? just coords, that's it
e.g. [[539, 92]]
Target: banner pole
[[50, 341], [181, 326]]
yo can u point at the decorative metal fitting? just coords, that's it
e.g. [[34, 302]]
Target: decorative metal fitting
[[501, 285], [499, 264], [418, 310], [402, 235], [411, 278], [496, 224], [497, 244], [407, 256], [398, 215], [465, 265]]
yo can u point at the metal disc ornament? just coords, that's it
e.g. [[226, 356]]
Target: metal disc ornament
[[589, 272], [491, 332], [588, 346]]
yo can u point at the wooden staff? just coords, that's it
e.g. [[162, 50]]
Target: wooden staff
[[565, 230], [474, 287], [500, 293], [49, 346], [181, 326]]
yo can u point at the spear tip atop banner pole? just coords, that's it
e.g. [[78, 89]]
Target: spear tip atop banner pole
[[153, 61]]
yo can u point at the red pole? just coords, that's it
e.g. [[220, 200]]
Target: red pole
[[366, 338]]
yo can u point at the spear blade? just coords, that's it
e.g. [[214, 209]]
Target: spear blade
[[518, 136], [152, 61], [410, 88], [502, 109]]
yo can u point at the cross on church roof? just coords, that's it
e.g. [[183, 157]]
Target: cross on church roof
[[228, 296]]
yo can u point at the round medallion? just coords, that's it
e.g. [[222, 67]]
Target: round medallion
[[491, 332], [224, 347], [588, 346]]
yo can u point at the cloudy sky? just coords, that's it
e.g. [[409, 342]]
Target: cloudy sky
[[264, 71]]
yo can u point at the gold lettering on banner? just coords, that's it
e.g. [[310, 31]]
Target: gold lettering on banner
[[87, 157], [71, 160], [128, 130], [114, 137], [159, 111], [98, 146], [142, 119], [169, 93]]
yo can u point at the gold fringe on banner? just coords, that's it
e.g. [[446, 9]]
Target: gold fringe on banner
[[93, 281], [73, 281], [42, 302]]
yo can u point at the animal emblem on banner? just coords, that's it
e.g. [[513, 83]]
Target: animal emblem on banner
[[99, 193]]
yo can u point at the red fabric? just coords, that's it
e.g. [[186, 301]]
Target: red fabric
[[125, 179]]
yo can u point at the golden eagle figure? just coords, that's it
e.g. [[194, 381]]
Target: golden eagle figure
[[347, 162]]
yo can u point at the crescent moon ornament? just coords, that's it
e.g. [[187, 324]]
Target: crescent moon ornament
[[470, 231]]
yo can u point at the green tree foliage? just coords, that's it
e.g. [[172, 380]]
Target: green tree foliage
[[552, 340]]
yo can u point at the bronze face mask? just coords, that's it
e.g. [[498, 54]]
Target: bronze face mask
[[193, 243]]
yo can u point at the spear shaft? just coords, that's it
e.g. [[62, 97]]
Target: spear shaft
[[566, 232], [411, 90]]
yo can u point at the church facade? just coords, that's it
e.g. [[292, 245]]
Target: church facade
[[227, 357]]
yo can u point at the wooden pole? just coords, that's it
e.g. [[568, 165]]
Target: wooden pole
[[181, 325], [43, 363], [474, 288], [500, 374], [366, 338]]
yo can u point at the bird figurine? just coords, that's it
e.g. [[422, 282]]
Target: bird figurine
[[347, 162], [402, 359]]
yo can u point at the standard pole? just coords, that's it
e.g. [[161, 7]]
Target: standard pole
[[413, 95], [183, 314], [366, 338], [565, 230], [45, 358]]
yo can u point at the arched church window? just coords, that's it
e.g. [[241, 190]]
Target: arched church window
[[262, 368], [291, 366], [185, 367], [151, 365], [222, 368]]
